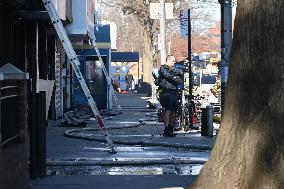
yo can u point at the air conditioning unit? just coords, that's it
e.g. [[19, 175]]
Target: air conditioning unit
[[83, 19]]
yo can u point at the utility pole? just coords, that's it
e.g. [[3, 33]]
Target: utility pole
[[162, 31], [226, 44], [190, 67], [189, 54]]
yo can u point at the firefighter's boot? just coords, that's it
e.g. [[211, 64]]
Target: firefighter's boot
[[168, 131]]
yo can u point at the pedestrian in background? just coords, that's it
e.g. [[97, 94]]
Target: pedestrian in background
[[129, 79]]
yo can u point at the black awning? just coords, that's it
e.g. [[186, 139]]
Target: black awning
[[40, 15], [125, 56]]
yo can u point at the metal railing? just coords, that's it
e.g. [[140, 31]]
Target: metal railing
[[9, 99]]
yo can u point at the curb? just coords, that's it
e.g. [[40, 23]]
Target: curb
[[123, 163]]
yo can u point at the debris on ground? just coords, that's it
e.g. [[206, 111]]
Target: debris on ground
[[80, 118], [73, 119]]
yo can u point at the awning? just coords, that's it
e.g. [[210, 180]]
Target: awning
[[125, 56]]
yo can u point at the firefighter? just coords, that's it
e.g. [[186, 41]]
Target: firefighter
[[168, 81]]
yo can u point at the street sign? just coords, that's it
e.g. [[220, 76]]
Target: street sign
[[183, 23], [155, 10]]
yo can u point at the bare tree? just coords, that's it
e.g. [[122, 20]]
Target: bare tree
[[249, 149], [140, 9]]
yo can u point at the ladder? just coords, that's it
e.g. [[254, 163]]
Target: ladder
[[93, 41], [59, 58], [71, 54]]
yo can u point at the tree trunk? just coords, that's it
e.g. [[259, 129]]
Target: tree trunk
[[147, 58], [249, 149]]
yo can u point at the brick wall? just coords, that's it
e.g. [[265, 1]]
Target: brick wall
[[14, 157]]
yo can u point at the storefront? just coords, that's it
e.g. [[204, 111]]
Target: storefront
[[92, 71]]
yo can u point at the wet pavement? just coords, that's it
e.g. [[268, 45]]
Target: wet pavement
[[142, 152], [178, 169]]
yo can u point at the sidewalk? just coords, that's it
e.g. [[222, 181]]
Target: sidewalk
[[115, 182], [91, 150]]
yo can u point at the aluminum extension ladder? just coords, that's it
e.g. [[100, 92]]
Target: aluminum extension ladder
[[71, 54], [93, 41]]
